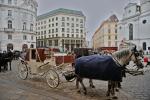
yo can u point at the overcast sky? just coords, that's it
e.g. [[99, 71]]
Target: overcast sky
[[95, 10]]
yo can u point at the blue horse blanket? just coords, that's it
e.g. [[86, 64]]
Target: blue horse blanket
[[98, 67]]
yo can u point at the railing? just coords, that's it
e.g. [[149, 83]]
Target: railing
[[9, 30]]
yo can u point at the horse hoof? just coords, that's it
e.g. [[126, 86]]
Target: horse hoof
[[92, 86], [85, 93], [117, 90], [107, 94], [114, 97], [78, 91]]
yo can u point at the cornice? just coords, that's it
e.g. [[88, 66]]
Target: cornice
[[16, 7]]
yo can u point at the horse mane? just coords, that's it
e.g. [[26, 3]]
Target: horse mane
[[122, 53]]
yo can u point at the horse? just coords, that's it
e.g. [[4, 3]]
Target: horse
[[105, 67]]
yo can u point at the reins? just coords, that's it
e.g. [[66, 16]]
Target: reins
[[118, 61]]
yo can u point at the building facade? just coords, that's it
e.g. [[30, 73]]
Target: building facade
[[135, 25], [105, 37], [17, 24], [62, 28]]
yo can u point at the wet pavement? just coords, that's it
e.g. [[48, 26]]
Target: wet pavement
[[36, 88]]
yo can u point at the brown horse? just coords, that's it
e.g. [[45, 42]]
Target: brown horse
[[106, 68]]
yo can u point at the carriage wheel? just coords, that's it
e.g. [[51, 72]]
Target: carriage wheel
[[52, 78], [22, 71]]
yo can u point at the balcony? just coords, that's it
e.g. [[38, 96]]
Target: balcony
[[28, 31], [9, 30]]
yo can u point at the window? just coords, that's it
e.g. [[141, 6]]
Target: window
[[56, 35], [67, 18], [9, 12], [63, 24], [116, 37], [50, 42], [49, 31], [72, 19], [56, 29], [67, 35], [130, 31], [144, 45], [52, 30], [56, 18], [63, 30], [9, 24], [56, 42], [9, 1], [24, 37], [77, 30], [72, 25], [52, 25], [31, 27], [63, 18], [115, 30], [144, 21], [9, 37], [81, 31], [72, 35], [44, 32], [72, 31], [31, 37], [81, 20], [52, 19], [24, 26], [56, 24], [109, 37], [109, 31]]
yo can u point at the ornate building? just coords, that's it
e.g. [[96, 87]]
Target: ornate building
[[105, 37], [62, 28], [17, 24], [135, 25]]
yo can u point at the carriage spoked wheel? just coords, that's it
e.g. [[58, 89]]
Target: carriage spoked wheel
[[22, 70], [52, 78]]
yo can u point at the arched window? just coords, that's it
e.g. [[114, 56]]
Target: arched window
[[130, 31], [9, 24], [31, 27], [24, 25], [144, 45]]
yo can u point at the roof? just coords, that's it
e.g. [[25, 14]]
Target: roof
[[130, 4], [60, 11]]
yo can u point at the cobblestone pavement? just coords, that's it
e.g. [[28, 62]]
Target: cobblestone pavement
[[138, 86], [13, 88]]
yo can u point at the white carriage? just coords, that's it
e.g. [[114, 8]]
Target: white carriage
[[46, 63]]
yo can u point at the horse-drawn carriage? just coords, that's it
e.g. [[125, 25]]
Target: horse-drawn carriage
[[47, 63]]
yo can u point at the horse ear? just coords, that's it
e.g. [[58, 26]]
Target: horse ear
[[134, 49]]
